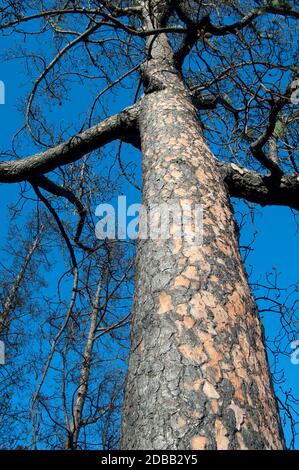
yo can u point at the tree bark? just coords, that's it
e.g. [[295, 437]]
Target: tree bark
[[80, 398], [198, 375]]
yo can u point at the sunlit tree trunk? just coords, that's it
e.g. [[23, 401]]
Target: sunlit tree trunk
[[198, 374]]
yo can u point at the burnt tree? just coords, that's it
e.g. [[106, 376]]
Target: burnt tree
[[198, 375]]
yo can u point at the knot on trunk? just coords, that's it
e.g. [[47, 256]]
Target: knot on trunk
[[152, 79]]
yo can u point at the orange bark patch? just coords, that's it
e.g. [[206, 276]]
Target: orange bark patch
[[243, 341], [196, 414], [188, 322], [180, 192], [198, 442], [236, 306], [168, 119], [221, 436], [201, 175], [169, 158], [192, 251], [198, 309], [209, 299], [239, 415], [237, 384], [193, 386], [214, 355], [195, 256], [220, 316], [191, 273], [214, 406], [181, 422], [183, 141], [225, 247], [208, 343], [238, 359], [210, 391], [165, 303], [182, 309], [262, 389], [181, 281], [193, 354], [177, 245], [241, 442], [176, 174]]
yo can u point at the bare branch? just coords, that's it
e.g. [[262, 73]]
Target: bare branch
[[120, 126], [261, 189]]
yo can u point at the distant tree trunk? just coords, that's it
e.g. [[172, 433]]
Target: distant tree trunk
[[198, 374], [81, 393], [11, 298]]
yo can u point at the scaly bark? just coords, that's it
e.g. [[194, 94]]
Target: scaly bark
[[198, 375]]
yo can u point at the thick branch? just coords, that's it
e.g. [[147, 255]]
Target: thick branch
[[261, 189], [120, 126]]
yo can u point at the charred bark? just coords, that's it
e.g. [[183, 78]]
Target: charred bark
[[198, 375]]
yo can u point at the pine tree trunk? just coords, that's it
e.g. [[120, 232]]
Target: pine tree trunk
[[198, 375]]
